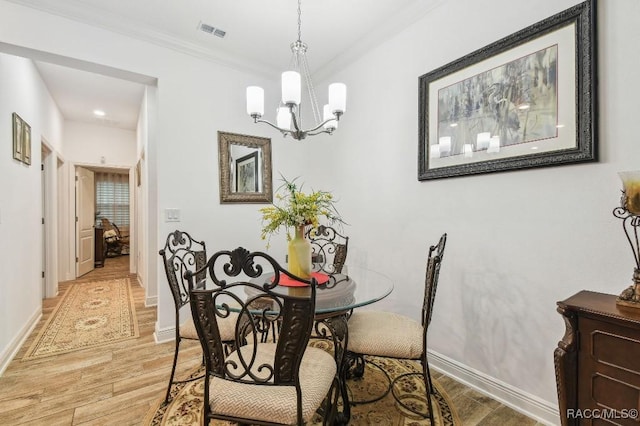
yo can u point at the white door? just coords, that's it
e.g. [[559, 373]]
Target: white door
[[44, 229], [85, 220]]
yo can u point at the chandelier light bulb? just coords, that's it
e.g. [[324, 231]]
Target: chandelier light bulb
[[338, 97], [291, 87], [283, 117], [332, 124], [255, 101]]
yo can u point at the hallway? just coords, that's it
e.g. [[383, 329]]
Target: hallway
[[113, 384]]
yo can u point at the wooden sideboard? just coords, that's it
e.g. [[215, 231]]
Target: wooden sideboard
[[597, 362]]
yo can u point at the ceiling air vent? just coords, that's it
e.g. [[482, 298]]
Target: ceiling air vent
[[209, 29]]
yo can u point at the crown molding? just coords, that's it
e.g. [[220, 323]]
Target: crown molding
[[74, 10], [77, 11], [393, 26]]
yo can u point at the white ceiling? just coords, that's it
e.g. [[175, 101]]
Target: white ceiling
[[258, 35], [78, 93]]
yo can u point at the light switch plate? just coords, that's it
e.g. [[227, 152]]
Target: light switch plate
[[172, 215]]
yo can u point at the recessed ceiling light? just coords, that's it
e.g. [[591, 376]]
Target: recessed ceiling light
[[524, 106], [99, 113], [560, 126], [453, 124]]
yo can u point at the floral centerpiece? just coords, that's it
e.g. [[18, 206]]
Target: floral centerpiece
[[296, 209]]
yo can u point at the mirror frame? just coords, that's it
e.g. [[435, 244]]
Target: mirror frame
[[225, 139]]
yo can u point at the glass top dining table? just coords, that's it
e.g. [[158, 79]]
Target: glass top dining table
[[338, 293]]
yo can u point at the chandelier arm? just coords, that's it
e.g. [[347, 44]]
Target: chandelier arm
[[319, 126], [284, 131], [297, 134], [310, 133]]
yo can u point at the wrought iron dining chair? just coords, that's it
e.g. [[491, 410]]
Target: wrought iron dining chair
[[282, 382], [180, 254], [391, 335], [329, 249]]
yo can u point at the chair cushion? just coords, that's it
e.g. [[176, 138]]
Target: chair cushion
[[385, 334], [226, 326], [275, 404]]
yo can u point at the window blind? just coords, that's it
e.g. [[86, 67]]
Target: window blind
[[112, 198]]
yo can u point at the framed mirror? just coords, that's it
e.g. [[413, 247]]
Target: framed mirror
[[245, 168]]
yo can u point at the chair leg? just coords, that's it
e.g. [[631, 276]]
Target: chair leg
[[428, 385], [173, 369], [430, 381], [359, 362]]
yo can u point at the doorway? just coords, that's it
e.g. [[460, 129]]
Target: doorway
[[103, 215], [50, 164], [44, 172]]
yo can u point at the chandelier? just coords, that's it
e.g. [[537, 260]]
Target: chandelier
[[289, 111]]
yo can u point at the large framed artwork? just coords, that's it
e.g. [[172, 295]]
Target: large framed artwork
[[247, 173], [527, 100]]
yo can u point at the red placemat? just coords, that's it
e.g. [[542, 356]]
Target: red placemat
[[287, 281]]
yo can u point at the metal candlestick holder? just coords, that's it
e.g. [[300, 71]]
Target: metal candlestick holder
[[630, 223]]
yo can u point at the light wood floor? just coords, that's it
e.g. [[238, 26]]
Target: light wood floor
[[118, 384], [113, 384]]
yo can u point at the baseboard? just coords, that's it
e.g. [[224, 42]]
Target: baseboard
[[164, 335], [14, 346], [523, 402], [151, 301]]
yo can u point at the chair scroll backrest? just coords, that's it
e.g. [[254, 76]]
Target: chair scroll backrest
[[240, 279], [436, 252], [182, 253], [329, 249]]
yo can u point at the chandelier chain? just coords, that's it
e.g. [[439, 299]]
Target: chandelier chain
[[313, 100], [299, 21]]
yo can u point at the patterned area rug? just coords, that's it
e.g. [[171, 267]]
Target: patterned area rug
[[90, 314], [185, 407]]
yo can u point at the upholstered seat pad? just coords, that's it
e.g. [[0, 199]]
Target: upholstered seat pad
[[226, 326], [385, 334], [274, 403]]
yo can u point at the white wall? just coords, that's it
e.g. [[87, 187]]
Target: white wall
[[89, 143], [143, 225], [21, 201], [518, 241]]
